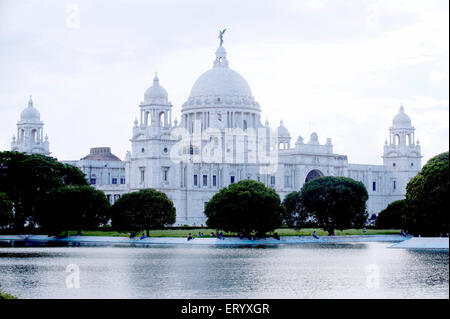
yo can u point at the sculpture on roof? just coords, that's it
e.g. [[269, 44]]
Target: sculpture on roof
[[221, 36]]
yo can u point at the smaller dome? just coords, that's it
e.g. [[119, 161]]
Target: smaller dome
[[401, 120], [156, 93], [283, 131], [101, 154], [30, 113]]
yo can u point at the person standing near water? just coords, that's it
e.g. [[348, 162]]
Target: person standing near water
[[315, 235]]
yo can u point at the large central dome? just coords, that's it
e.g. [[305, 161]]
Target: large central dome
[[221, 86], [221, 80]]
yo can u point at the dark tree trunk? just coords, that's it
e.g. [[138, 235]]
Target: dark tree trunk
[[147, 233]]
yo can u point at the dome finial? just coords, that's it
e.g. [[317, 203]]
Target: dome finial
[[30, 102], [156, 79]]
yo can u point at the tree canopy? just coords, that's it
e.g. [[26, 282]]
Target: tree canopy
[[143, 210], [74, 207], [245, 207], [6, 215], [28, 179], [294, 215], [335, 202], [427, 198], [393, 216]]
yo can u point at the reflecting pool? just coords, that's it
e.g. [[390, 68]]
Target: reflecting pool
[[344, 270]]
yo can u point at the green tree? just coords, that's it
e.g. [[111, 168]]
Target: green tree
[[29, 179], [427, 198], [335, 202], [294, 215], [6, 215], [393, 216], [74, 207], [143, 210], [247, 206]]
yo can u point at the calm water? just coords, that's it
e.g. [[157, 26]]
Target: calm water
[[291, 271]]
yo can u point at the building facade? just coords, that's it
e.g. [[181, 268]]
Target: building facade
[[104, 171], [221, 140]]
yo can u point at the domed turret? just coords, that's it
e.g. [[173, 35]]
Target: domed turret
[[30, 113], [30, 132], [284, 137], [401, 120], [282, 131], [155, 94], [156, 108]]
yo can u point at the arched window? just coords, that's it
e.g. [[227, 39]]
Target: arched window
[[162, 119], [396, 139], [409, 139], [34, 135], [315, 173]]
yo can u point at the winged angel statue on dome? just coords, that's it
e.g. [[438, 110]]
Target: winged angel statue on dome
[[221, 36]]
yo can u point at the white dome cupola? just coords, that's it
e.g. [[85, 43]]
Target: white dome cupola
[[283, 131], [30, 113], [284, 137], [156, 110], [155, 94], [30, 132], [401, 120]]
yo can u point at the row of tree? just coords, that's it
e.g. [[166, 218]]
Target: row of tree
[[425, 210], [45, 193], [55, 197], [39, 191], [328, 202]]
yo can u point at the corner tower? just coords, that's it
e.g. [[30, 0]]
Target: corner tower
[[401, 156], [30, 133], [156, 110]]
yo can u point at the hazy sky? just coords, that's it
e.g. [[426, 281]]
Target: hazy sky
[[338, 67]]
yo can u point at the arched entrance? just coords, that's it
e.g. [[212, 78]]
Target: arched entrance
[[315, 173]]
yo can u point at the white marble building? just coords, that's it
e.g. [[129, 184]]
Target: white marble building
[[221, 140]]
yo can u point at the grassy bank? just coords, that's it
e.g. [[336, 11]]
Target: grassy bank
[[206, 232], [6, 296]]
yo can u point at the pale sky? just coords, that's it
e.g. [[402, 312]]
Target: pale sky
[[340, 68]]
